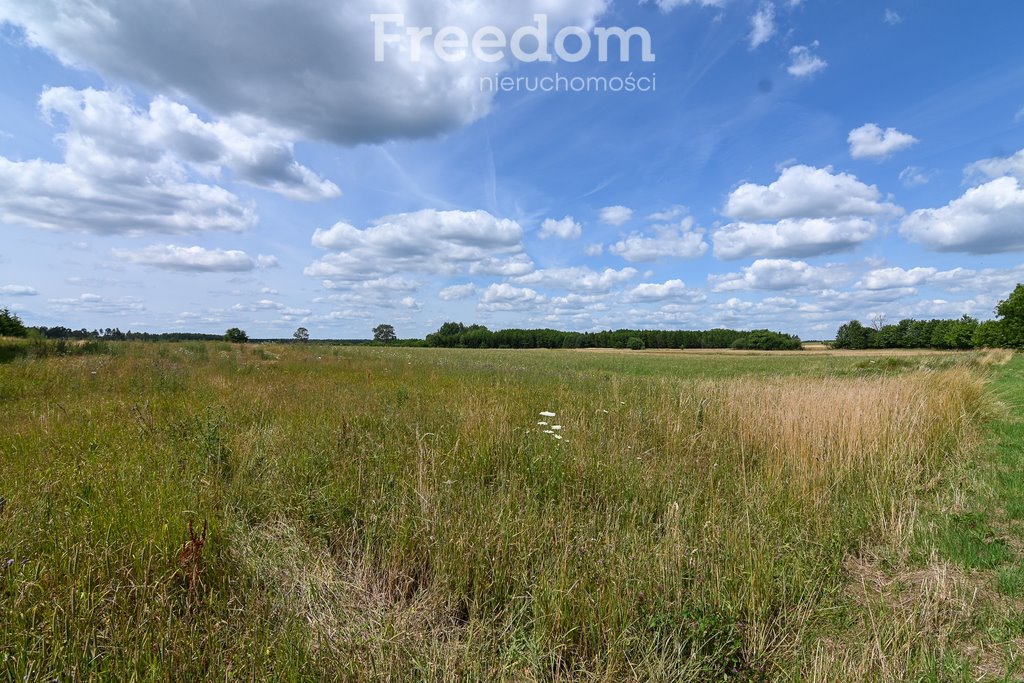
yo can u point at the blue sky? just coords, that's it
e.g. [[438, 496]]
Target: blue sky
[[798, 164]]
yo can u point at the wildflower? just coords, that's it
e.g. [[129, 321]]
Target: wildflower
[[548, 431], [557, 427], [558, 436], [542, 424], [547, 413]]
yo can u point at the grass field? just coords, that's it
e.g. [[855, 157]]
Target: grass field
[[399, 514]]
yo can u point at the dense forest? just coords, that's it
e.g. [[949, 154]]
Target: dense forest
[[963, 333], [457, 335]]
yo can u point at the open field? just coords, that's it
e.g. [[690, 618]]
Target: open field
[[399, 514]]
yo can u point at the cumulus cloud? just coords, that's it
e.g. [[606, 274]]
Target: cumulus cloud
[[456, 292], [428, 241], [995, 167], [985, 220], [672, 289], [577, 279], [127, 171], [616, 215], [807, 192], [513, 266], [792, 237], [895, 278], [18, 290], [667, 242], [505, 297], [105, 125], [194, 259], [870, 141], [762, 25], [778, 275], [594, 249], [566, 229], [803, 63], [892, 17], [308, 67]]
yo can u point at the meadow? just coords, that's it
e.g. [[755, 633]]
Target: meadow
[[206, 511]]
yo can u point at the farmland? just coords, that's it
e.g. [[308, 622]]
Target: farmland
[[208, 511]]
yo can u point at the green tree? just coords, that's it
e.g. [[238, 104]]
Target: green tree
[[1012, 313], [635, 343], [236, 336], [301, 335], [384, 333], [853, 335], [989, 335], [11, 325]]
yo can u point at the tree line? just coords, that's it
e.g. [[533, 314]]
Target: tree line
[[458, 335], [1007, 331]]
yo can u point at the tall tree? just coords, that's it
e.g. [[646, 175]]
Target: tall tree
[[11, 325], [236, 336], [301, 335], [1012, 313], [384, 333]]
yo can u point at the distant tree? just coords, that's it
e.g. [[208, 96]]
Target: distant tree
[[989, 335], [635, 344], [11, 325], [1012, 313], [236, 336], [384, 333], [301, 335], [853, 335]]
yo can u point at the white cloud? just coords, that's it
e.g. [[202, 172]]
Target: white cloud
[[799, 237], [995, 167], [514, 266], [807, 192], [307, 67], [892, 18], [18, 290], [505, 297], [669, 5], [594, 249], [672, 289], [762, 25], [985, 220], [1019, 116], [104, 126], [95, 303], [670, 214], [456, 292], [872, 142], [894, 278], [803, 62], [194, 259], [577, 279], [131, 171], [616, 215], [428, 241], [915, 176], [668, 242], [778, 275], [566, 229]]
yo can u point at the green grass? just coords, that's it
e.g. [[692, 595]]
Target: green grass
[[399, 513]]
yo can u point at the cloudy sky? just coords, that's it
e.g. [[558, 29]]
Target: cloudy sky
[[794, 164]]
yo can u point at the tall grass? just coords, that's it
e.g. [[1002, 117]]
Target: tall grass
[[399, 514]]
